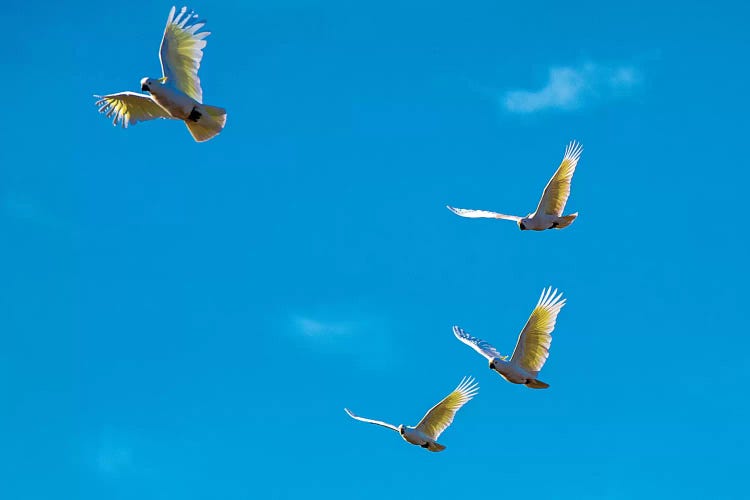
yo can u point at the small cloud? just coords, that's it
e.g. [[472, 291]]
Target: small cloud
[[137, 465], [314, 328], [21, 208], [113, 461], [362, 339], [570, 88], [113, 456], [29, 211]]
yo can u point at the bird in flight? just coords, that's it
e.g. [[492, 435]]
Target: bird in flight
[[177, 94], [440, 416], [548, 214], [532, 348]]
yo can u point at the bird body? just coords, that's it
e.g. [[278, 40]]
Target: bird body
[[435, 421], [548, 214], [172, 100], [532, 347], [177, 94], [515, 374], [541, 221], [415, 436]]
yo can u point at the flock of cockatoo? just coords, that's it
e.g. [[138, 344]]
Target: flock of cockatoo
[[178, 95], [532, 346]]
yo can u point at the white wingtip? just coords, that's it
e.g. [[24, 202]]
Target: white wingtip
[[172, 11], [551, 299], [469, 387], [573, 151], [460, 333]]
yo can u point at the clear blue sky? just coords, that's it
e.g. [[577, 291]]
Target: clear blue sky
[[188, 321]]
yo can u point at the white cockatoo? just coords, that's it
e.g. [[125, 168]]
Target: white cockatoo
[[548, 214], [440, 416], [532, 348], [177, 94]]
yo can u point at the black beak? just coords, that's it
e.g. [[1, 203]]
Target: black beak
[[144, 88]]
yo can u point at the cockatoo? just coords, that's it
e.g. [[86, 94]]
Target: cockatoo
[[177, 94], [532, 348], [426, 433], [548, 214]]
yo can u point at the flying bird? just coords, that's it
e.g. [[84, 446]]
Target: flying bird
[[532, 348], [548, 214], [177, 94], [440, 416]]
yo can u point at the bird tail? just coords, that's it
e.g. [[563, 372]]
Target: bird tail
[[433, 446], [566, 220], [536, 384], [209, 125]]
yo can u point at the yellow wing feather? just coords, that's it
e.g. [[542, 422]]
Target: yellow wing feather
[[441, 415], [557, 191], [181, 51], [532, 349], [129, 108]]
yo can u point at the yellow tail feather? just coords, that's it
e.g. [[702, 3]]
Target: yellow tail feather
[[566, 220], [209, 125], [536, 384], [435, 447]]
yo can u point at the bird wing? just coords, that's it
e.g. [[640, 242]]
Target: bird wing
[[481, 214], [441, 415], [181, 51], [556, 193], [532, 349], [129, 108], [479, 345], [369, 420]]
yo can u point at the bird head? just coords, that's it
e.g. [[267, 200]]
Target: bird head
[[147, 83], [521, 224], [401, 429], [494, 362]]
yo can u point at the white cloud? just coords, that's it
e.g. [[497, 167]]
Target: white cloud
[[360, 338], [113, 461], [570, 88], [30, 211], [314, 328], [113, 455]]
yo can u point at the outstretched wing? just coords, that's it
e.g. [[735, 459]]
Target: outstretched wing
[[479, 345], [181, 51], [556, 192], [369, 420], [129, 108], [441, 415], [533, 344], [481, 214]]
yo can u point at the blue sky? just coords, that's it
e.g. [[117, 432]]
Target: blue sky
[[183, 320]]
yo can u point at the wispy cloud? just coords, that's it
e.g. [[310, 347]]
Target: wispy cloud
[[572, 87], [136, 464], [361, 338], [29, 211], [321, 329], [112, 455]]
